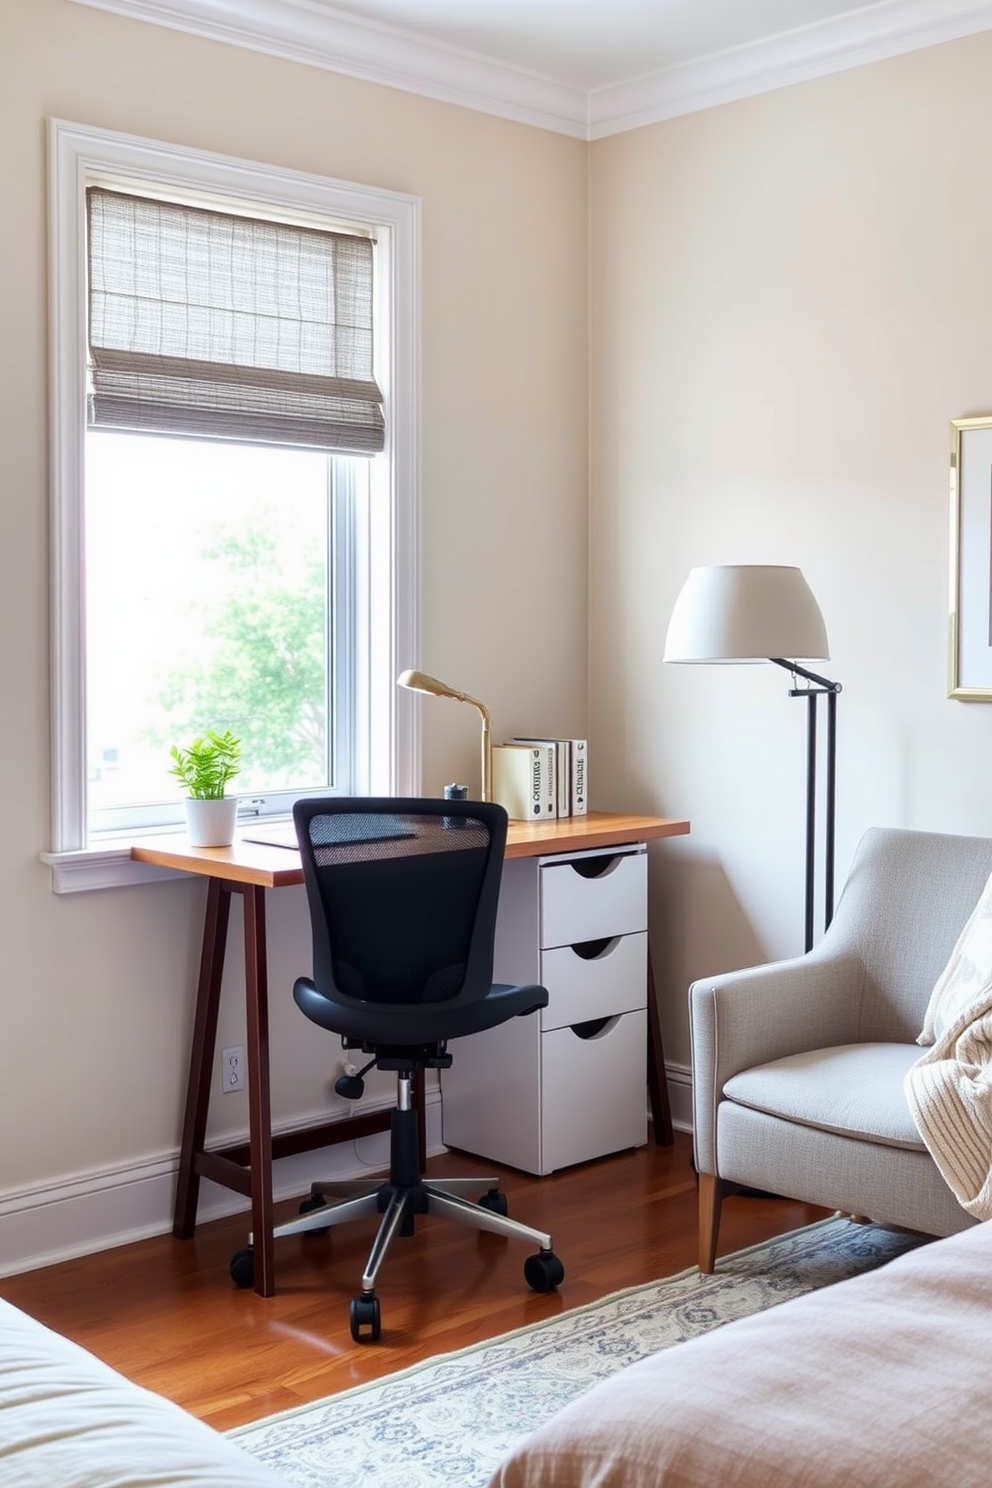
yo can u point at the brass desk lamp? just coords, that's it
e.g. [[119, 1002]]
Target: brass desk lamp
[[421, 682]]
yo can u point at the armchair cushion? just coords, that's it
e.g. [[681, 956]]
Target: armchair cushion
[[742, 1019], [855, 1090]]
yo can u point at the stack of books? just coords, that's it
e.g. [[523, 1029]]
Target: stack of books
[[535, 779]]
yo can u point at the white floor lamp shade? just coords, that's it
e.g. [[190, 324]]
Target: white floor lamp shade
[[766, 612], [745, 612]]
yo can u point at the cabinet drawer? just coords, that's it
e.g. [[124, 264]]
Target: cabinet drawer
[[576, 906], [593, 1097], [581, 987]]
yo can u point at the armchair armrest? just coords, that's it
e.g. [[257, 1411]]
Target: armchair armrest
[[745, 1018]]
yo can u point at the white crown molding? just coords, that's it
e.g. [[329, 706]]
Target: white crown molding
[[852, 40], [303, 32]]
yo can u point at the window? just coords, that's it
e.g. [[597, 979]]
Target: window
[[234, 520]]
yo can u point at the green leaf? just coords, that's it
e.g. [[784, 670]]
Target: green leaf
[[206, 765]]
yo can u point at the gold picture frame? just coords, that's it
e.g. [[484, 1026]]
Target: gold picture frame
[[971, 560]]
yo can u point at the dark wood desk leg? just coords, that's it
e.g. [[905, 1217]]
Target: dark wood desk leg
[[201, 1055], [661, 1109], [259, 1102]]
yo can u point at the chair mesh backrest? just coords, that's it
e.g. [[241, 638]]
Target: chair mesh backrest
[[402, 897]]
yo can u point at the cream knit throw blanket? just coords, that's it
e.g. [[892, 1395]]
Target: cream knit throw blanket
[[949, 1089]]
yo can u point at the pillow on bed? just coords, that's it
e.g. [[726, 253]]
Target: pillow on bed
[[70, 1421], [967, 975]]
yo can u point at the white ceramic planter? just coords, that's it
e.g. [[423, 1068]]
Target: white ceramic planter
[[211, 823]]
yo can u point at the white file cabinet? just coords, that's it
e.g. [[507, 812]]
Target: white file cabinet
[[566, 1084]]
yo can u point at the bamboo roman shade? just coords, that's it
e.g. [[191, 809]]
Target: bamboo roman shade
[[224, 327]]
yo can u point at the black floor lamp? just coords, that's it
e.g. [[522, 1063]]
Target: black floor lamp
[[763, 612]]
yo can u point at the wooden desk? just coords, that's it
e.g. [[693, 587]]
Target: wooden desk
[[248, 869]]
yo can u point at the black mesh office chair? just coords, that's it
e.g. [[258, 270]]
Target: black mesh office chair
[[403, 897]]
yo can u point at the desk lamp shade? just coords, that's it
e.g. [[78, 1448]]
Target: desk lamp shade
[[745, 612]]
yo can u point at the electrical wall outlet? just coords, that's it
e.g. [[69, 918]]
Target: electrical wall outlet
[[232, 1069]]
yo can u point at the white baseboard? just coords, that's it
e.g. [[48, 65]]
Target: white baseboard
[[87, 1212], [679, 1080], [94, 1211]]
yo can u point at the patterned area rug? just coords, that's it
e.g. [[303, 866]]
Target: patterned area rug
[[449, 1422]]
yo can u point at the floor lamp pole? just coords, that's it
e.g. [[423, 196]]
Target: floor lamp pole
[[831, 803], [822, 686]]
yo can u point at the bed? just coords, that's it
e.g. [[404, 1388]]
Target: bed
[[69, 1421], [879, 1380]]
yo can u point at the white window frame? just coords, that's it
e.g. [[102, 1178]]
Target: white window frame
[[389, 751]]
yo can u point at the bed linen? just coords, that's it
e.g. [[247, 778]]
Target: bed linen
[[877, 1381], [67, 1420]]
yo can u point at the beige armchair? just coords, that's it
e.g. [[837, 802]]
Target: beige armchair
[[798, 1067]]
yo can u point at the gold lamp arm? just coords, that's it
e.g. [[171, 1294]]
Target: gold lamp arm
[[487, 752], [423, 682]]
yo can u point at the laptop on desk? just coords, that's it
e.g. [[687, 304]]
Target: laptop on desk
[[378, 829]]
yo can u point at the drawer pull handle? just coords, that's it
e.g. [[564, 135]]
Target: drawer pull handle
[[595, 1028], [597, 866], [592, 950]]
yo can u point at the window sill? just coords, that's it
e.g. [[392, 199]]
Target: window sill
[[110, 866]]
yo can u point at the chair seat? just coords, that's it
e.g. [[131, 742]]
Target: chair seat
[[853, 1090], [420, 1023]]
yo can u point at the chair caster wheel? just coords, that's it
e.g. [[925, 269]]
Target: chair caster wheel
[[307, 1206], [544, 1271], [366, 1319], [242, 1267], [495, 1202]]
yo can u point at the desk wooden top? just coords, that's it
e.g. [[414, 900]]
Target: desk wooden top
[[274, 867], [597, 829]]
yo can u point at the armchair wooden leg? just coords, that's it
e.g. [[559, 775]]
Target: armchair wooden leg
[[711, 1192]]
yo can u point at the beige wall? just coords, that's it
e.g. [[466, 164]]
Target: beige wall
[[95, 1005], [791, 300]]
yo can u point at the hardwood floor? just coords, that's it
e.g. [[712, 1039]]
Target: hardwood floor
[[165, 1313]]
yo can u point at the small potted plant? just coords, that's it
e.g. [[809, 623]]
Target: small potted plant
[[204, 768]]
